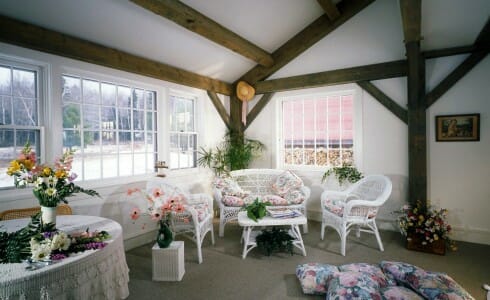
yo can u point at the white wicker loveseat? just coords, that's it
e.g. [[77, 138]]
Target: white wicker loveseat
[[282, 188]]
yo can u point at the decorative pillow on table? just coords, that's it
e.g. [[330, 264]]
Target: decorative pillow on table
[[285, 182], [314, 277], [438, 286], [353, 285], [399, 292], [374, 271]]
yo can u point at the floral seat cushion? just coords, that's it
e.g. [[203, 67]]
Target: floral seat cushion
[[336, 206], [314, 277], [202, 210]]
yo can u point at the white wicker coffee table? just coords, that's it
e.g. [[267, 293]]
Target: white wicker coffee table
[[248, 235]]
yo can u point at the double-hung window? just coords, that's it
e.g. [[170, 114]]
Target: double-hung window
[[317, 130], [183, 135], [111, 126], [20, 113]]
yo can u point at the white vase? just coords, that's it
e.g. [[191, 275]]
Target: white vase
[[48, 214]]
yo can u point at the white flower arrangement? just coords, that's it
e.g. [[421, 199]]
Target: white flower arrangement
[[41, 249]]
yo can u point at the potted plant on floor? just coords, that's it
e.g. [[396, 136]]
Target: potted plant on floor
[[425, 228], [273, 240]]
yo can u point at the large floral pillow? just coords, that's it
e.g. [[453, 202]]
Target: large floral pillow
[[295, 197], [314, 277], [437, 286], [373, 270], [285, 182], [353, 285]]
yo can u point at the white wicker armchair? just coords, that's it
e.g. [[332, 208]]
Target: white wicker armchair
[[357, 206], [196, 220]]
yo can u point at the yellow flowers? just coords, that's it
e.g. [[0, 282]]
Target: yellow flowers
[[14, 168]]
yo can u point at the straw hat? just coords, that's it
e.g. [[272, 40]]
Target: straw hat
[[244, 91]]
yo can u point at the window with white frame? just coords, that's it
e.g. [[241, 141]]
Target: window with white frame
[[20, 113], [317, 130], [111, 126], [183, 135]]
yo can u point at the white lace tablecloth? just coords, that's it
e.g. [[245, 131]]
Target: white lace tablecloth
[[93, 274]]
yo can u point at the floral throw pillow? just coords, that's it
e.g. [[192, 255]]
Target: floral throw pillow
[[285, 182], [353, 285], [294, 197], [229, 187], [373, 270], [314, 277]]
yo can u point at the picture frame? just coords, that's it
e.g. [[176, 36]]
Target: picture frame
[[458, 128]]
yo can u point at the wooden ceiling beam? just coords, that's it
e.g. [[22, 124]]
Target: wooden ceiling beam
[[330, 9], [455, 51], [219, 107], [196, 22], [386, 101], [34, 37], [335, 77], [305, 39], [460, 71], [258, 108]]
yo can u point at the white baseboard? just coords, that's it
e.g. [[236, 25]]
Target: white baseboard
[[140, 240]]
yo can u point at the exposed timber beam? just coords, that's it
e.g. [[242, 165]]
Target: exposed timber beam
[[455, 51], [411, 11], [219, 107], [386, 101], [363, 73], [45, 40], [258, 108], [194, 21], [461, 70], [305, 39], [330, 9]]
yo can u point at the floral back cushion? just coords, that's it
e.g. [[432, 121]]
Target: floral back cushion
[[375, 271], [295, 197], [285, 182], [353, 285], [229, 187], [314, 277]]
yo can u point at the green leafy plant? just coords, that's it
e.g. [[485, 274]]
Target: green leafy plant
[[344, 173], [257, 210], [276, 239], [235, 152]]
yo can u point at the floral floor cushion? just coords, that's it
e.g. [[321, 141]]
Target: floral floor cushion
[[438, 286], [353, 285], [399, 292], [314, 277], [377, 274]]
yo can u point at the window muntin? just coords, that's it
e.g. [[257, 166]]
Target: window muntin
[[318, 130], [118, 126], [183, 135], [20, 111]]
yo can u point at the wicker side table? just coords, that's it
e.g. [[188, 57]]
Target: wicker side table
[[168, 263]]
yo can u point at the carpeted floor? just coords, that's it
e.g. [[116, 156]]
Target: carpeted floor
[[225, 275]]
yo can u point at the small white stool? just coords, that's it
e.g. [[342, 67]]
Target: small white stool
[[168, 263]]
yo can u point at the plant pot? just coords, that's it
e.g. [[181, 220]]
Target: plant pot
[[414, 242], [48, 215]]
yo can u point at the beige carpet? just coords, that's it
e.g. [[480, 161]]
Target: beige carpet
[[225, 275]]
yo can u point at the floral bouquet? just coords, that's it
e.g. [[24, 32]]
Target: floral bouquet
[[160, 205], [428, 225], [52, 184]]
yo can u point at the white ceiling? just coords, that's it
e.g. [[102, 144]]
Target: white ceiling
[[374, 35]]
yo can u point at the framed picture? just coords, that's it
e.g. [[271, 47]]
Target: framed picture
[[458, 128]]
